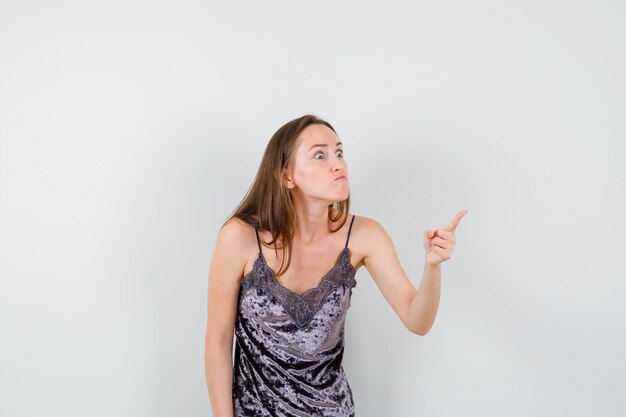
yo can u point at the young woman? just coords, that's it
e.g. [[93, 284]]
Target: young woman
[[281, 279]]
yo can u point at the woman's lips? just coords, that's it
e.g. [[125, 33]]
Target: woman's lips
[[340, 178]]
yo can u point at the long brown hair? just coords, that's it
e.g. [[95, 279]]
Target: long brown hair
[[268, 204]]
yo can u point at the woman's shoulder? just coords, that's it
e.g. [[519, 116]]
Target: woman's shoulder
[[367, 232], [237, 231], [236, 225], [235, 222], [364, 235], [364, 222]]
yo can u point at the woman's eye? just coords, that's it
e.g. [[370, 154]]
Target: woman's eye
[[321, 153]]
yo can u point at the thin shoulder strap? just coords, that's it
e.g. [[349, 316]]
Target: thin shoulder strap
[[258, 242], [349, 230]]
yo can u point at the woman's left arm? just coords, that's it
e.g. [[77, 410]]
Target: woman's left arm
[[417, 309]]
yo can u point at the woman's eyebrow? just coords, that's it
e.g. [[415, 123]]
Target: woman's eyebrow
[[324, 145]]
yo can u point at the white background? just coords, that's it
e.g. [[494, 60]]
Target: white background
[[130, 130]]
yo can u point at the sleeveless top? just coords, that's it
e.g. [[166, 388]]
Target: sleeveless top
[[289, 346]]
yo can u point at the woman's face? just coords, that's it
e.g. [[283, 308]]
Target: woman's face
[[318, 164]]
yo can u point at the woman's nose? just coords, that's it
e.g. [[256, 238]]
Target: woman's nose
[[338, 163]]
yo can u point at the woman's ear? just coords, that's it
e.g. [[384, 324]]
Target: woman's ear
[[286, 179]]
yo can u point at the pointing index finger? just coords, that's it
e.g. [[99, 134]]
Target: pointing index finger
[[456, 220]]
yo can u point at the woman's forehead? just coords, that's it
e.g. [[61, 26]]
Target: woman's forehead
[[317, 135]]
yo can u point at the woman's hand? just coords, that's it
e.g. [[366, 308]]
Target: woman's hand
[[439, 243]]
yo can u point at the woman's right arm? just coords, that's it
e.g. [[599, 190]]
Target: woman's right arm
[[225, 273]]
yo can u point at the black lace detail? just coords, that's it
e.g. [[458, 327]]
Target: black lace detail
[[301, 307]]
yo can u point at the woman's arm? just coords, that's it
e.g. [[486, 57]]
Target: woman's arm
[[425, 302], [225, 275], [219, 378], [416, 308], [382, 263]]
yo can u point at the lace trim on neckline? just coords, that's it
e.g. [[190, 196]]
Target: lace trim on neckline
[[301, 307]]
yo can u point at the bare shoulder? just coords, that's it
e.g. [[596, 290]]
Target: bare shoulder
[[235, 241], [366, 222], [370, 228], [367, 234], [362, 223], [236, 230]]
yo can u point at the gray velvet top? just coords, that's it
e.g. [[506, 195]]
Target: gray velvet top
[[289, 347]]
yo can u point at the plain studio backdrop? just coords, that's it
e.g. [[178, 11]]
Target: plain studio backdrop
[[130, 130]]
